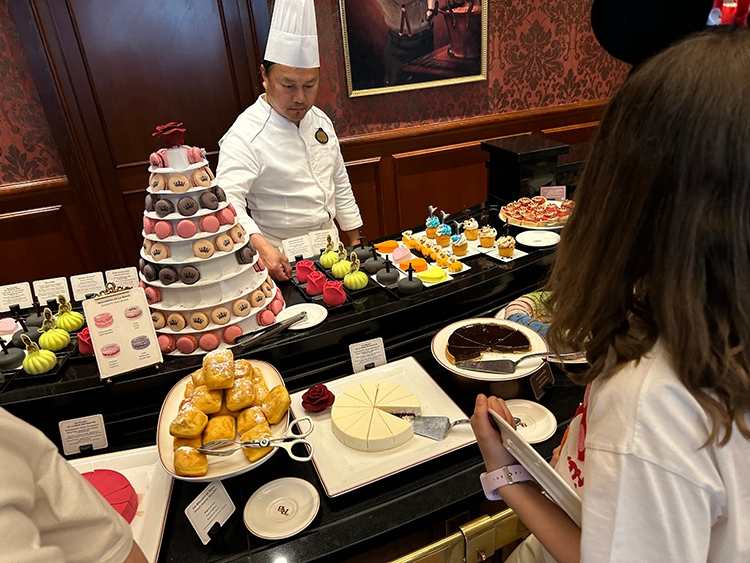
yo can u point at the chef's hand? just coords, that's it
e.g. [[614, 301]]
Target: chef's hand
[[488, 437], [276, 263], [352, 236]]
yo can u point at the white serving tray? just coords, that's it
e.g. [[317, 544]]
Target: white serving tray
[[152, 484], [342, 469]]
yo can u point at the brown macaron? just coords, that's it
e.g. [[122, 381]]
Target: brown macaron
[[241, 307], [176, 321], [201, 178], [198, 320], [221, 315], [159, 319], [178, 183], [224, 243], [157, 182]]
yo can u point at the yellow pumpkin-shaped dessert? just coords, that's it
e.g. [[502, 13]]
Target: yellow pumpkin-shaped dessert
[[37, 361], [68, 319], [330, 256], [342, 267], [52, 338], [355, 279]]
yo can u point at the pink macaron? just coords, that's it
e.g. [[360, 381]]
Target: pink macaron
[[232, 209], [186, 228], [209, 341], [225, 216], [275, 307], [148, 225], [163, 229], [187, 344], [231, 333], [209, 224], [153, 295], [265, 318], [166, 343]]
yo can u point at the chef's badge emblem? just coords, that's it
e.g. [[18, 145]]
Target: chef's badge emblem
[[321, 136]]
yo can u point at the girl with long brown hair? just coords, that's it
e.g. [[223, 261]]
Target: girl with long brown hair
[[651, 282]]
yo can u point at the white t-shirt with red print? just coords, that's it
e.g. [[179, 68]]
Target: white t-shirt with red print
[[650, 491]]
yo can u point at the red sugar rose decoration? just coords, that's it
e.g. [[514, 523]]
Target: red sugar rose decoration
[[317, 398], [171, 132]]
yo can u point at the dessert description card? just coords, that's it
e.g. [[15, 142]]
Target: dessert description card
[[122, 334]]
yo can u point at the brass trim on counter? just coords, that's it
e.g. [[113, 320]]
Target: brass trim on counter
[[476, 541]]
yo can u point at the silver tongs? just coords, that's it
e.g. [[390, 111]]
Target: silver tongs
[[252, 338], [286, 441], [505, 365]]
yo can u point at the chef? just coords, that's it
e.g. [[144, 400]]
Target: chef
[[280, 163]]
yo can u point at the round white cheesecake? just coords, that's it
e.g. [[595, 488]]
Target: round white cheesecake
[[364, 417]]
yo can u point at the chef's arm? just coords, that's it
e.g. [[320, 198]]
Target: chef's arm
[[237, 170], [347, 210], [276, 262]]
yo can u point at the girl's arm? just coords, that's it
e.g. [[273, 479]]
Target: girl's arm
[[554, 529]]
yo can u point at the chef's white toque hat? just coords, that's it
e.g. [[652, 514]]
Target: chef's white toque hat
[[293, 36]]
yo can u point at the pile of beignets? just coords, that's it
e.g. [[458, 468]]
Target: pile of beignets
[[224, 399]]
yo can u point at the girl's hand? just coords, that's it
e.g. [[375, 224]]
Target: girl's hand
[[488, 437]]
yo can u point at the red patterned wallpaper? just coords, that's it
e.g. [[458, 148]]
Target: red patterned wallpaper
[[540, 53], [27, 150]]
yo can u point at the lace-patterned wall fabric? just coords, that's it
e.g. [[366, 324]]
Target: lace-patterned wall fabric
[[27, 149], [541, 53]]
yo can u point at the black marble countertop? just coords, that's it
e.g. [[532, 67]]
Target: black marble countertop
[[356, 521]]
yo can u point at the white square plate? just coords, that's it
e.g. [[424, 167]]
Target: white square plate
[[152, 484], [342, 469]]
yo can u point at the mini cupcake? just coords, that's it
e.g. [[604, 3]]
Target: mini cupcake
[[471, 229], [406, 237], [459, 245], [443, 235], [505, 246], [432, 223], [487, 237]]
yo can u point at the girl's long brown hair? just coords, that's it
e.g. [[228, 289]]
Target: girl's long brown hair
[[658, 246]]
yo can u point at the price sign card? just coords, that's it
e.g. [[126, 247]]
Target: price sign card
[[122, 334], [308, 245], [16, 294], [367, 354], [50, 289], [212, 506], [123, 277], [85, 284]]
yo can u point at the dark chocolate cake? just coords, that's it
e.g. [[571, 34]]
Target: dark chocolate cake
[[468, 342]]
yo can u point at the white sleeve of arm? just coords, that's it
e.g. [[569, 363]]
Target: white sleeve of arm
[[48, 512], [347, 210], [634, 510], [237, 169]]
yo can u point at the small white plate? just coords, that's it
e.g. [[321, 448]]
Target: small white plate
[[538, 238], [543, 473], [281, 508], [316, 314], [534, 422]]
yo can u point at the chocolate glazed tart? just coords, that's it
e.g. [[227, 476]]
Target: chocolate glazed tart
[[468, 342]]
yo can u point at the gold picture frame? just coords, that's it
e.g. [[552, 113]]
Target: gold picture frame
[[400, 45]]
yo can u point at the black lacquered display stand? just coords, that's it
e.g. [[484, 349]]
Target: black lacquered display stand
[[354, 522]]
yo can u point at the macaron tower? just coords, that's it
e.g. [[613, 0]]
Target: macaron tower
[[205, 282]]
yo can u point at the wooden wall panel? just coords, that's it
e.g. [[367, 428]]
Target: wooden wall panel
[[43, 232], [364, 176], [451, 177]]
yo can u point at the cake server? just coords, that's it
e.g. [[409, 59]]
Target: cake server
[[506, 365], [435, 427]]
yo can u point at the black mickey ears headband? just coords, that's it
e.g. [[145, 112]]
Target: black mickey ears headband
[[634, 30]]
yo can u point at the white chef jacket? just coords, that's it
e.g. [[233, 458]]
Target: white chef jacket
[[48, 512], [650, 491], [290, 182]]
